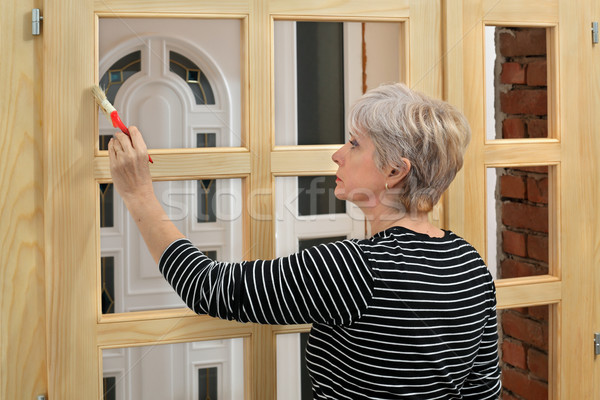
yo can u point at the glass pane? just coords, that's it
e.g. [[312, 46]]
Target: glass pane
[[208, 383], [320, 81], [517, 221], [524, 349], [173, 78], [206, 187], [316, 195], [193, 76], [516, 83], [108, 284], [321, 68], [109, 385], [297, 230], [130, 277], [106, 205], [119, 72], [198, 370], [293, 380], [307, 210]]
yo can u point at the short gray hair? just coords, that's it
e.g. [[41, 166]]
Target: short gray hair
[[430, 133]]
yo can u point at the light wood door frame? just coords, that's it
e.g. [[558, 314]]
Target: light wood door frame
[[76, 330], [572, 150], [22, 302]]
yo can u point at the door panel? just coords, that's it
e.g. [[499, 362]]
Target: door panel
[[22, 303], [562, 288], [445, 63]]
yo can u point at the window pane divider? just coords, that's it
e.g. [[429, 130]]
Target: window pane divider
[[522, 153], [528, 291], [303, 160], [187, 165], [137, 332]]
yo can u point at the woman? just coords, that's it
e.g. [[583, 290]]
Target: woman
[[407, 313]]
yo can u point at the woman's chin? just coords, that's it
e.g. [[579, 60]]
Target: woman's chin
[[340, 193]]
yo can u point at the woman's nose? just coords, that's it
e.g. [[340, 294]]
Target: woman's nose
[[337, 156]]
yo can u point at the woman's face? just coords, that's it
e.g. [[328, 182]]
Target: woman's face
[[358, 179]]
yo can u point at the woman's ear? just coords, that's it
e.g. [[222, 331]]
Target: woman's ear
[[397, 173]]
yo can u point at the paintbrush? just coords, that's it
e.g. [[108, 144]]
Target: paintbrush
[[111, 112]]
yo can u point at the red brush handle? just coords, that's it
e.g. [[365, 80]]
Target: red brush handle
[[117, 123]]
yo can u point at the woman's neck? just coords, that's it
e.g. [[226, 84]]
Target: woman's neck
[[417, 223]]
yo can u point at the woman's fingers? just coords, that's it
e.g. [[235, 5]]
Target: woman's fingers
[[114, 146], [129, 168], [137, 140]]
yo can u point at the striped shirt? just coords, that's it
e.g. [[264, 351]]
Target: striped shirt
[[398, 316]]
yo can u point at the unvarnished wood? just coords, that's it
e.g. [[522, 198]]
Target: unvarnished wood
[[187, 165], [168, 330], [281, 329], [594, 85], [426, 59], [171, 7], [22, 312], [261, 355], [530, 291], [520, 153], [385, 9], [499, 153], [70, 198], [580, 196], [473, 92], [520, 12], [453, 93], [309, 161], [573, 214], [68, 151]]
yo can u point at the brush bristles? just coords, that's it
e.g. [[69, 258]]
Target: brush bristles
[[102, 101]]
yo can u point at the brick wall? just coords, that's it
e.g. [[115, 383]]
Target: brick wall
[[522, 206]]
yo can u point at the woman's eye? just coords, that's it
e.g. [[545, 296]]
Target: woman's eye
[[353, 142]]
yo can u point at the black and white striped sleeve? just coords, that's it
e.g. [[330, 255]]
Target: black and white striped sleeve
[[483, 382], [330, 284]]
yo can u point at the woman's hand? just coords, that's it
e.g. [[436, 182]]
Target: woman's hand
[[129, 165], [131, 176]]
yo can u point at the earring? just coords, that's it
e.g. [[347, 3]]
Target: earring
[[386, 186]]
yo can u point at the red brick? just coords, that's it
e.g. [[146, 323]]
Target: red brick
[[524, 42], [537, 72], [540, 170], [525, 216], [515, 269], [537, 128], [537, 363], [512, 73], [514, 243], [513, 128], [537, 190], [508, 396], [524, 386], [529, 331], [512, 186], [534, 102], [514, 354], [537, 247], [519, 310], [539, 312]]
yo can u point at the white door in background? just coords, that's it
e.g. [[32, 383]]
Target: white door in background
[[181, 87]]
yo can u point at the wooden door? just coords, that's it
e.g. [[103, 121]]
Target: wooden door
[[22, 347], [568, 152], [78, 332]]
